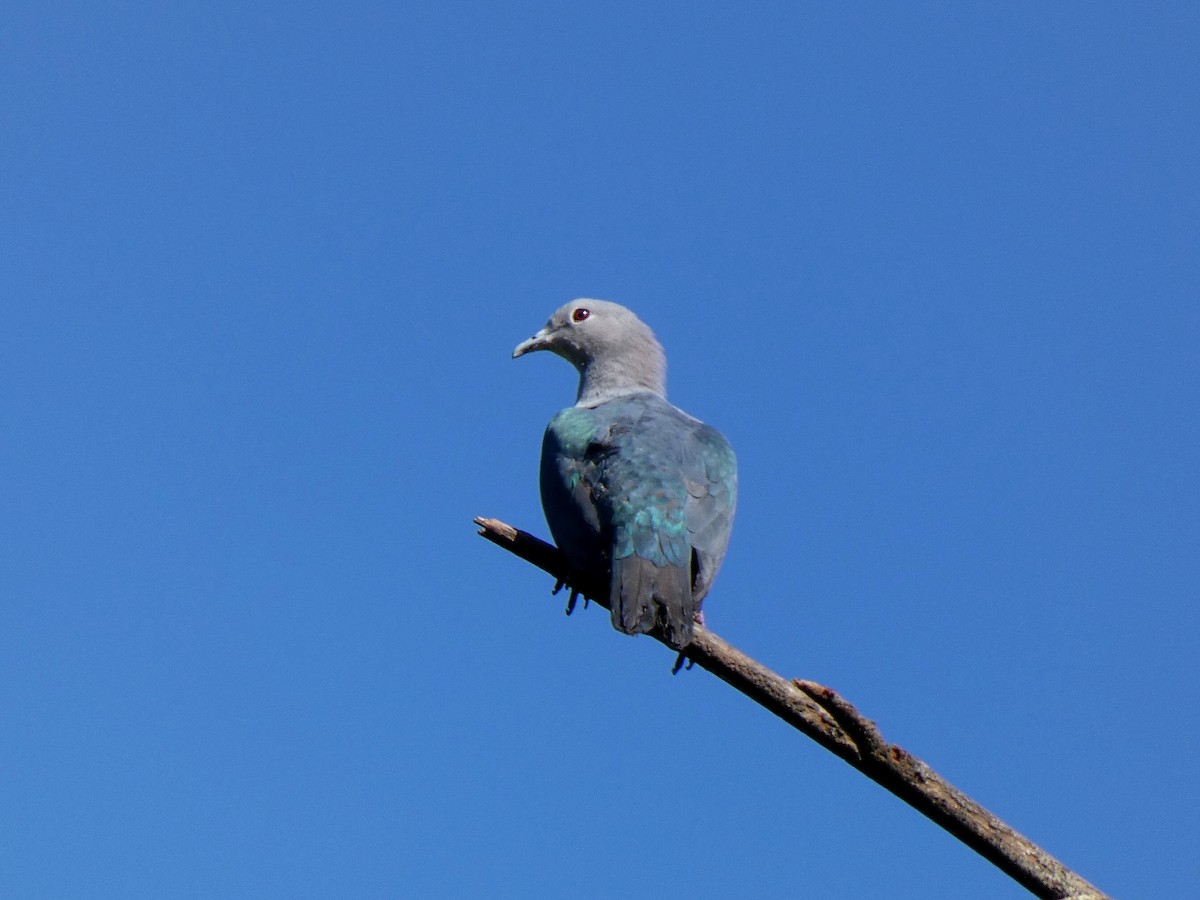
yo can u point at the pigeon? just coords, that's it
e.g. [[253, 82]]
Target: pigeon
[[639, 496]]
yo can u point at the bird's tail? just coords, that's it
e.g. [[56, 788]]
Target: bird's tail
[[646, 598]]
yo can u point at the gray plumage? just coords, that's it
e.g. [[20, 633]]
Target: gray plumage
[[636, 492]]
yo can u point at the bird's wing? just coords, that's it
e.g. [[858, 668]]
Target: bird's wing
[[568, 485], [645, 499], [710, 473]]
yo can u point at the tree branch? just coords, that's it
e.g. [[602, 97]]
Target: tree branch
[[831, 721]]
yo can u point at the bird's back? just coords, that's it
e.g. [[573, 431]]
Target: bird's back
[[638, 491]]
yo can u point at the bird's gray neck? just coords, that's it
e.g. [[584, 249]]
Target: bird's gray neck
[[613, 377]]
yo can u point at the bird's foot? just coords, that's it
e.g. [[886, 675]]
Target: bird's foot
[[682, 661], [561, 583]]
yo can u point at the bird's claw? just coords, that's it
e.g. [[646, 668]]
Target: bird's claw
[[682, 661], [571, 601]]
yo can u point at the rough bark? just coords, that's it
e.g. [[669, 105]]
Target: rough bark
[[836, 725]]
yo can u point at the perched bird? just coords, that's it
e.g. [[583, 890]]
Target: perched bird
[[637, 493]]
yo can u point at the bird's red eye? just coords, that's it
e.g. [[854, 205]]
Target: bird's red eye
[[580, 314]]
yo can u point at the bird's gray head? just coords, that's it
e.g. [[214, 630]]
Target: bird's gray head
[[615, 352]]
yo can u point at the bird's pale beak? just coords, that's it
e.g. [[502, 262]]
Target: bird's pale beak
[[539, 341]]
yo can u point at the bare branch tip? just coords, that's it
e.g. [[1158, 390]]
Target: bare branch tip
[[489, 527]]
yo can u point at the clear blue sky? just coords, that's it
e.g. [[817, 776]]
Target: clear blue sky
[[932, 268]]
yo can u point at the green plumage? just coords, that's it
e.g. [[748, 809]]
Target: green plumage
[[638, 491]]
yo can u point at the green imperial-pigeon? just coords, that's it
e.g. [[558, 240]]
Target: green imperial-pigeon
[[637, 493]]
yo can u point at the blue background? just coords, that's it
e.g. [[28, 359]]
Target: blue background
[[933, 270]]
